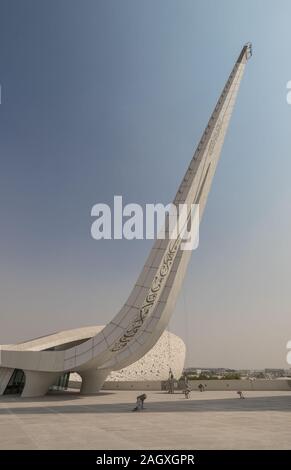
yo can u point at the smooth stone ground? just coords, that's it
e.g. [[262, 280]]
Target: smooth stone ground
[[209, 420]]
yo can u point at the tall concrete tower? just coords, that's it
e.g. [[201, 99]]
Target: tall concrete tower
[[145, 314], [166, 255]]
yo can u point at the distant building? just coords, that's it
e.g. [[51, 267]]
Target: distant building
[[275, 372]]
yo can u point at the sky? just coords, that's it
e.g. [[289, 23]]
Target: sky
[[103, 98]]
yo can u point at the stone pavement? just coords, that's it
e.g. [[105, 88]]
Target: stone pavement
[[209, 420]]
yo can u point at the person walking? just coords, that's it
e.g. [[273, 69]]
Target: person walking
[[187, 392], [139, 402], [171, 382]]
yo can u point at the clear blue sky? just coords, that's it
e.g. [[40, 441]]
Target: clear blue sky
[[110, 97]]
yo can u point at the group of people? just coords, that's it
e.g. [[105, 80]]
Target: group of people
[[186, 389], [171, 385], [171, 389]]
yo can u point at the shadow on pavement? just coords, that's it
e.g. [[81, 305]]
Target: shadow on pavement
[[269, 403]]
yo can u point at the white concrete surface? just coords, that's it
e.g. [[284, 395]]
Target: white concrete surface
[[145, 315], [168, 353], [210, 420]]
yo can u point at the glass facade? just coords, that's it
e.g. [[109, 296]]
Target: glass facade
[[62, 382], [16, 383]]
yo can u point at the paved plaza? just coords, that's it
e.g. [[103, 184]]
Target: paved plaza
[[209, 420]]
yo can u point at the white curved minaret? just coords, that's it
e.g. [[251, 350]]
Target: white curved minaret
[[145, 315]]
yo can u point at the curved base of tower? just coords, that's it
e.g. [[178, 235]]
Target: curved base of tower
[[153, 366]]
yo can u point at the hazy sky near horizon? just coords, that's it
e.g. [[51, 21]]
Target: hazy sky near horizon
[[104, 98]]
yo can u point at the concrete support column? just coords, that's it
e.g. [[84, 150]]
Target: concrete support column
[[38, 383], [93, 380]]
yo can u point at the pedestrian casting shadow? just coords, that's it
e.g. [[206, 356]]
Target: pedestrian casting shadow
[[271, 403]]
